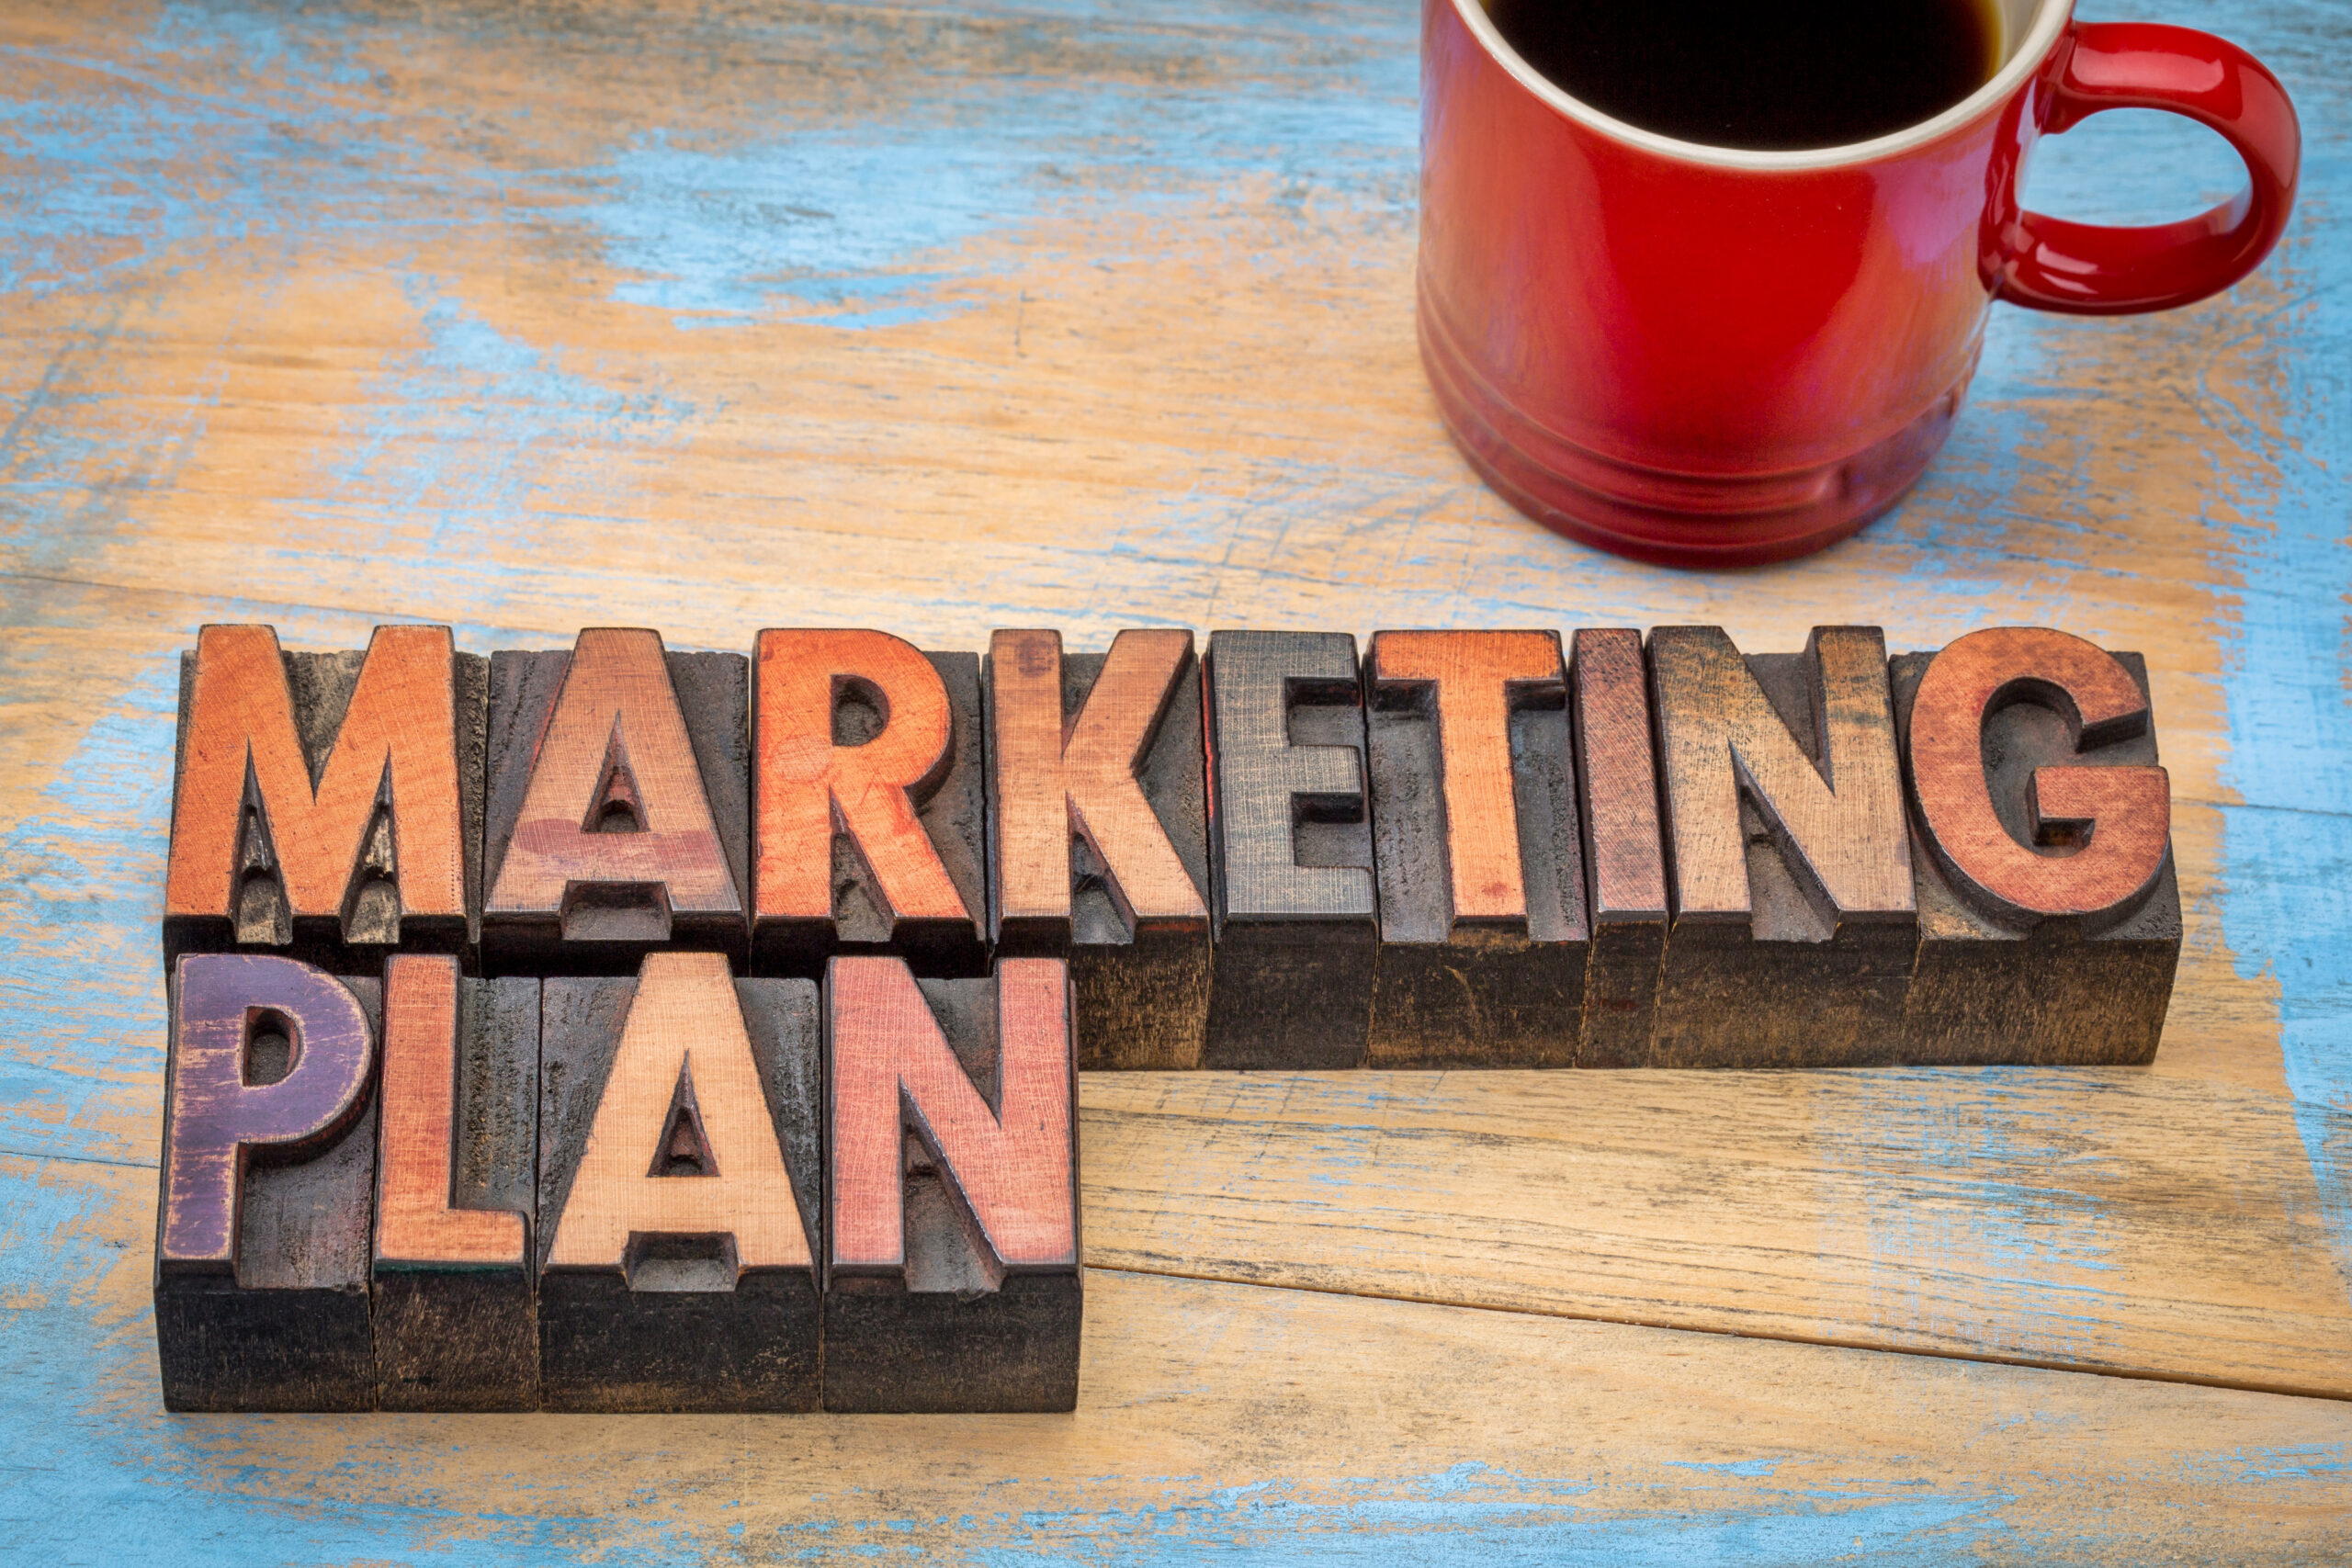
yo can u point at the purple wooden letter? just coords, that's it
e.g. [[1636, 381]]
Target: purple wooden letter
[[212, 1117]]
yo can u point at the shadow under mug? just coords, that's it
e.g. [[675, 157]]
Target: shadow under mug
[[1707, 356]]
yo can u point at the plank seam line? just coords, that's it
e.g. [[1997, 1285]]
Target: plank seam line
[[78, 1159], [1984, 1357], [1826, 1341]]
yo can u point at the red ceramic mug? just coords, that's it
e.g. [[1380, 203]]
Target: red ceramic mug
[[1708, 357]]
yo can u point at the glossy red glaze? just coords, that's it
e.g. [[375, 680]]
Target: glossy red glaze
[[2055, 265], [1709, 358]]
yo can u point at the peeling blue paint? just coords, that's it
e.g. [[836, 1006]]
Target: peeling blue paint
[[1472, 1514], [84, 896], [123, 179], [859, 226], [2304, 1463], [1992, 1142], [2288, 848], [113, 1491], [1730, 1467], [2287, 903], [830, 220], [473, 434]]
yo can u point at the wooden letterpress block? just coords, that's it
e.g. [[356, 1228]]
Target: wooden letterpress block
[[1624, 856], [869, 802], [617, 822], [327, 806], [2041, 846], [952, 1282], [268, 1170], [1482, 934], [1292, 914], [1098, 835], [457, 1320], [1793, 923], [678, 1191]]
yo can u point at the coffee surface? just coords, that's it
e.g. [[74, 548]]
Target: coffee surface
[[1759, 74]]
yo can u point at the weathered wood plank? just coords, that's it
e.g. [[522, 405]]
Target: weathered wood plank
[[2093, 1218], [1214, 1421]]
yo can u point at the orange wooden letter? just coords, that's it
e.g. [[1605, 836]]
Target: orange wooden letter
[[450, 1298], [616, 755], [1013, 1167], [414, 1219], [1051, 783], [397, 739], [1473, 673], [804, 784], [2119, 818], [683, 1048]]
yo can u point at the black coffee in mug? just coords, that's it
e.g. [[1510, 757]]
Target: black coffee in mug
[[1759, 74]]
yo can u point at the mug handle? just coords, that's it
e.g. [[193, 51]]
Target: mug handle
[[2092, 269]]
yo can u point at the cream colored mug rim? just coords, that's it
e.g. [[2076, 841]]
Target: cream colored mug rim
[[2049, 20]]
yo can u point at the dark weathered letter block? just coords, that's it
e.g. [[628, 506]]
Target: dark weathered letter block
[[869, 805], [616, 817], [326, 804], [457, 1320], [1099, 838], [268, 1170], [1624, 856], [1297, 940], [953, 1283], [1793, 924], [678, 1189], [2042, 842], [1483, 935]]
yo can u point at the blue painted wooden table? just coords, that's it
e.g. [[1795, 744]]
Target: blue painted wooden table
[[957, 314]]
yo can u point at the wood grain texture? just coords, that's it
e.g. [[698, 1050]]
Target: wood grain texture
[[952, 1275], [1478, 852], [1029, 807], [1781, 783], [2084, 974], [1624, 854], [267, 1180], [943, 317], [453, 1308], [326, 805], [869, 802], [1879, 1208], [1294, 920], [677, 1191], [1268, 1423], [1098, 833], [616, 806]]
